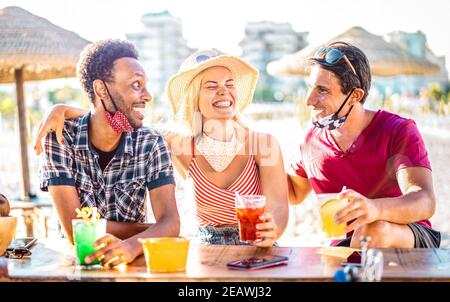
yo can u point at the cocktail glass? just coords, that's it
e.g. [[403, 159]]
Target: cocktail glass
[[248, 209], [85, 233], [165, 254], [329, 204]]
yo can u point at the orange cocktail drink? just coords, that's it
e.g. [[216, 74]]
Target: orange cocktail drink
[[165, 254]]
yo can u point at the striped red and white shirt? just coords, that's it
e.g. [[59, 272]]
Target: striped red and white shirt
[[216, 206]]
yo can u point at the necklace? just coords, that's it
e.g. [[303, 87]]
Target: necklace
[[217, 153]]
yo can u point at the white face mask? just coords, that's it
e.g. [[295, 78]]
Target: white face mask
[[333, 121]]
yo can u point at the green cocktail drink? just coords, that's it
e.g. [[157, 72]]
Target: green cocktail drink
[[85, 233]]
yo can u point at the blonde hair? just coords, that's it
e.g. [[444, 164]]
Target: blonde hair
[[192, 93]]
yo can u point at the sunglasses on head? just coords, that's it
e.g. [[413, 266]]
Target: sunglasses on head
[[202, 58], [330, 56]]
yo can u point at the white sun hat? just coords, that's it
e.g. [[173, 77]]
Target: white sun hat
[[245, 75]]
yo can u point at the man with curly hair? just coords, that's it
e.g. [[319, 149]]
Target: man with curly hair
[[106, 159]]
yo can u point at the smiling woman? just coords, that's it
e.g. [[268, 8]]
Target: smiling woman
[[222, 155]]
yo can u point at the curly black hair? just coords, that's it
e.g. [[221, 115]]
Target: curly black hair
[[97, 59]]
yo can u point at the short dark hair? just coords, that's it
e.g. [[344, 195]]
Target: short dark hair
[[348, 80], [97, 59]]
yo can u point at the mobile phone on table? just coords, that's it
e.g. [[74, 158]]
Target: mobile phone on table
[[21, 243], [258, 262], [353, 259]]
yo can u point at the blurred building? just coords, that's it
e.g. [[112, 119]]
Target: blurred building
[[266, 41], [415, 44], [162, 48]]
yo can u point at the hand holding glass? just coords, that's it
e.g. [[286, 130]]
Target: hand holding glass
[[329, 204], [248, 209], [85, 233]]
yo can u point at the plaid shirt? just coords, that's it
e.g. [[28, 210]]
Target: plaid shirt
[[142, 161]]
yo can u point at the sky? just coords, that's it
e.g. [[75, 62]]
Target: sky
[[220, 24]]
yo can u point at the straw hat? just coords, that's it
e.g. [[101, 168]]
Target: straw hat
[[176, 89]]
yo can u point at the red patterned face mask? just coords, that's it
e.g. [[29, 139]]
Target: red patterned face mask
[[118, 121]]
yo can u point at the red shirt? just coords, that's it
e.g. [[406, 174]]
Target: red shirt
[[389, 143]]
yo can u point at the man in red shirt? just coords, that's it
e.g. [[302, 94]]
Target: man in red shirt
[[379, 157]]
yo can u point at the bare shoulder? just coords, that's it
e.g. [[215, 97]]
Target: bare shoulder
[[264, 140], [266, 149]]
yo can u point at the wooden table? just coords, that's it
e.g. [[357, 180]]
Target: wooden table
[[53, 260]]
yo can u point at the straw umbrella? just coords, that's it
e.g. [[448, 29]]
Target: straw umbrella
[[386, 59], [32, 48]]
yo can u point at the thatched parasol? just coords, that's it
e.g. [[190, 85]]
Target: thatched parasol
[[386, 59], [32, 48]]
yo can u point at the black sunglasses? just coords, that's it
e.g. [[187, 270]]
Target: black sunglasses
[[18, 253], [330, 56]]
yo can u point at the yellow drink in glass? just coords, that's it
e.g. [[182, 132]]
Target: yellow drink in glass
[[329, 205], [165, 254]]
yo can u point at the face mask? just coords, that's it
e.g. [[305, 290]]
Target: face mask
[[118, 121], [333, 121]]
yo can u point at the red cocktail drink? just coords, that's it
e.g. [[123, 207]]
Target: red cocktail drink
[[248, 210]]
